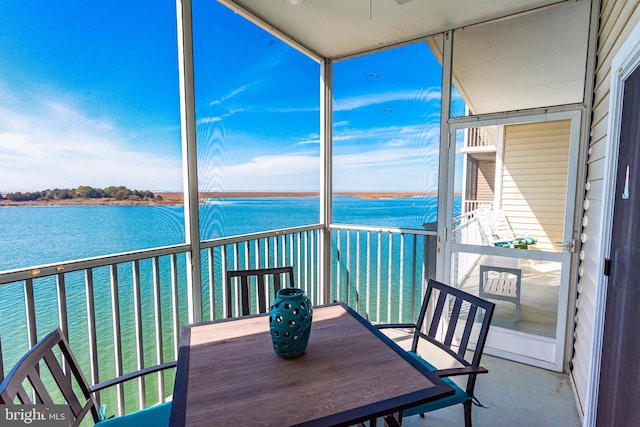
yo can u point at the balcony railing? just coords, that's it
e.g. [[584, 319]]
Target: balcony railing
[[124, 312], [478, 137], [379, 271], [469, 206]]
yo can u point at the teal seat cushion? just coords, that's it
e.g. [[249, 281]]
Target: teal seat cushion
[[502, 243], [154, 416], [459, 396], [525, 240]]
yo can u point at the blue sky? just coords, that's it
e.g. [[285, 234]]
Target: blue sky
[[89, 96]]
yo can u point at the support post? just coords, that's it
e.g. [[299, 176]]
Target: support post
[[189, 157], [326, 183], [445, 172]]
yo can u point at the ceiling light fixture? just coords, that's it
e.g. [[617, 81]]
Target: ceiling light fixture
[[293, 2]]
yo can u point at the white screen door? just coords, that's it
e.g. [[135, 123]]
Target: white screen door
[[509, 233]]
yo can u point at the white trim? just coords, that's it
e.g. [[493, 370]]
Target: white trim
[[326, 174], [189, 158], [509, 118], [529, 349], [445, 167], [624, 63], [261, 23], [499, 169]]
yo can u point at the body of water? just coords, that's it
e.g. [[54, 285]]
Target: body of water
[[38, 235]]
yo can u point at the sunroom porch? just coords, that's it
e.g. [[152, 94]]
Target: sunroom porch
[[380, 271]]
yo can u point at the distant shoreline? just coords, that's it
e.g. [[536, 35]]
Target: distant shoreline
[[176, 198]]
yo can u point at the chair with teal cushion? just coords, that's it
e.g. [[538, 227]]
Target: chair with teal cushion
[[454, 324], [25, 385], [156, 416]]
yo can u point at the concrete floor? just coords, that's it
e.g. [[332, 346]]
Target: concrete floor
[[538, 302], [516, 395]]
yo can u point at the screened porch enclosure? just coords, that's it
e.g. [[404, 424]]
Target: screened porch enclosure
[[504, 142]]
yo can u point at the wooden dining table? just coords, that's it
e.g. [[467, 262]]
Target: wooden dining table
[[229, 375]]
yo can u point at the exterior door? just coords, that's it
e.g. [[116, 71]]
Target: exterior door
[[619, 386], [511, 207]]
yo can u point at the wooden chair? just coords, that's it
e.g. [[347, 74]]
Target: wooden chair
[[24, 384], [450, 321], [272, 275]]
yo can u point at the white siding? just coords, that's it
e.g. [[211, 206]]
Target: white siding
[[486, 180], [534, 180], [618, 18]]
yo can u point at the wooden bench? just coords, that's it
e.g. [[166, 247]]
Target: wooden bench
[[505, 284]]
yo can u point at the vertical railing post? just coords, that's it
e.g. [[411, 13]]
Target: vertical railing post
[[30, 312], [117, 335], [92, 330], [139, 331], [189, 157], [430, 248]]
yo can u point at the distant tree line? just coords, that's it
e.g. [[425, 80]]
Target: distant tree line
[[83, 192]]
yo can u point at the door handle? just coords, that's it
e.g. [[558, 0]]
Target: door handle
[[569, 246]]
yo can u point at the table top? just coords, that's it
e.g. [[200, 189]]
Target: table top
[[228, 374]]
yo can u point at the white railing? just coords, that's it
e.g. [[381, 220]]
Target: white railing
[[478, 137], [380, 271], [466, 230], [123, 312], [470, 206], [297, 247]]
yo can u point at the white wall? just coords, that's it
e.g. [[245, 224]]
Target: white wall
[[618, 19], [534, 180]]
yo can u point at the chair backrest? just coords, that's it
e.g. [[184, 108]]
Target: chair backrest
[[455, 322], [500, 225], [26, 383], [495, 226], [263, 279]]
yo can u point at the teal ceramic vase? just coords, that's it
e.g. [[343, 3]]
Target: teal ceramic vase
[[290, 322]]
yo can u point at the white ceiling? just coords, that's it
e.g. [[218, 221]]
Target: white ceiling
[[536, 58], [335, 29]]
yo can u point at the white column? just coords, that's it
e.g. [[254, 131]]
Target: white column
[[326, 183], [189, 157], [446, 166]]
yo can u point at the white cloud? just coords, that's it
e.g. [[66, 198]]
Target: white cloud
[[385, 169], [422, 134], [229, 95], [384, 158], [352, 103], [206, 120], [48, 142], [395, 136], [273, 173], [313, 139]]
